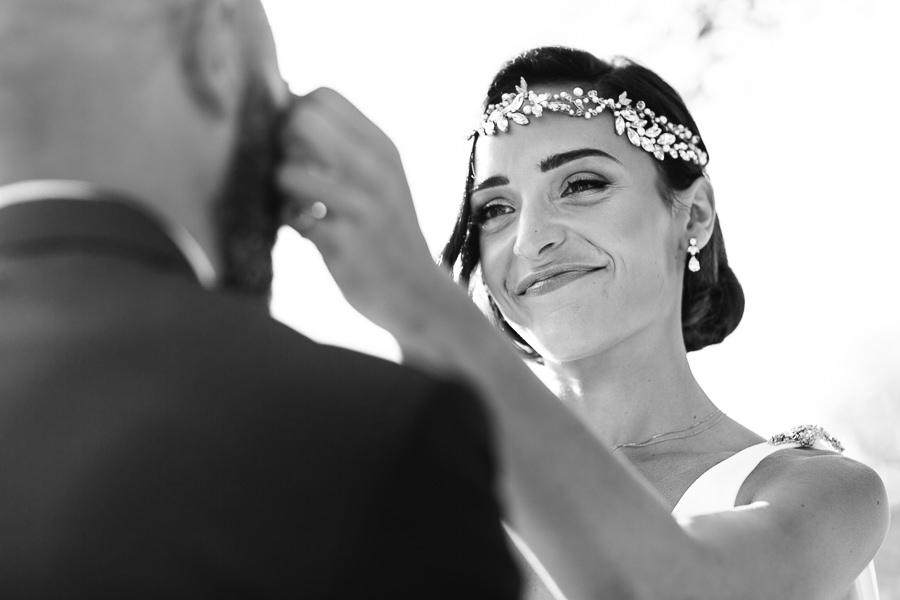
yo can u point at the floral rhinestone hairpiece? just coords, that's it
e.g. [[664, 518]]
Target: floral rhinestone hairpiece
[[644, 128]]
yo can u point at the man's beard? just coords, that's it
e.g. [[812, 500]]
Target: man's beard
[[248, 204]]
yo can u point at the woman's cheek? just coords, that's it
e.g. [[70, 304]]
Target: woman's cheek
[[493, 268]]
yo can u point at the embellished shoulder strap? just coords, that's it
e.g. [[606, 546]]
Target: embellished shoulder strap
[[808, 436], [717, 489]]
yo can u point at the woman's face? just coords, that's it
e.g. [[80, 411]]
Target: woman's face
[[578, 248]]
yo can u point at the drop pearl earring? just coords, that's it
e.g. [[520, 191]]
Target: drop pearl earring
[[693, 250]]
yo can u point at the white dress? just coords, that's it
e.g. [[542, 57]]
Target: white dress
[[717, 489], [714, 491]]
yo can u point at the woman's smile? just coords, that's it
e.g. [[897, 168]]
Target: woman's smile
[[545, 281]]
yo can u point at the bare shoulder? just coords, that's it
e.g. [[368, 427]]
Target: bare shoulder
[[813, 471], [807, 523], [822, 489]]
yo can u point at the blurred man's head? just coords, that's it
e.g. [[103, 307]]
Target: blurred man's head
[[173, 101]]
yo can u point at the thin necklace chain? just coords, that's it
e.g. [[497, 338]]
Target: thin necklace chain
[[715, 416]]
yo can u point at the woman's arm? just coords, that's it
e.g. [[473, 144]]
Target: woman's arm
[[815, 521], [594, 522]]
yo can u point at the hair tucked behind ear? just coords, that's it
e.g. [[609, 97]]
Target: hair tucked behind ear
[[712, 300]]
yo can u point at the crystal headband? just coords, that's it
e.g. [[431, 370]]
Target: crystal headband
[[660, 139]]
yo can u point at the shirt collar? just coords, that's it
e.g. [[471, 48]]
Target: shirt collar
[[31, 210]]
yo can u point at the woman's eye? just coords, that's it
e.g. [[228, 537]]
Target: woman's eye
[[491, 211], [586, 184]]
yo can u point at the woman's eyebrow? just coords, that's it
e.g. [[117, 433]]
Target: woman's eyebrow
[[557, 160], [491, 182], [551, 162]]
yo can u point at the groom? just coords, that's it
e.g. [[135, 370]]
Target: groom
[[160, 435]]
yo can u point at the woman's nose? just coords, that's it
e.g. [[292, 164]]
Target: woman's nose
[[538, 231]]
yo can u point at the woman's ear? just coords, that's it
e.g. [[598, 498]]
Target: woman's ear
[[700, 202], [213, 55]]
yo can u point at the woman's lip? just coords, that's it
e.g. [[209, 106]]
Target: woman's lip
[[553, 283]]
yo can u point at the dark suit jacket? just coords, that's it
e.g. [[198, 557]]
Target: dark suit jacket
[[162, 441]]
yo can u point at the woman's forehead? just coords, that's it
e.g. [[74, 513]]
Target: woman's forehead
[[525, 147]]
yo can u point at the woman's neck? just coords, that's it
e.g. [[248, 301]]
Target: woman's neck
[[641, 387]]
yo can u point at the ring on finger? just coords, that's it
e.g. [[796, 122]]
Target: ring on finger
[[309, 216]]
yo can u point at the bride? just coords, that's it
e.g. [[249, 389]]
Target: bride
[[589, 231]]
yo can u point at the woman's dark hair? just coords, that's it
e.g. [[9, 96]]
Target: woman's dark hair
[[712, 302]]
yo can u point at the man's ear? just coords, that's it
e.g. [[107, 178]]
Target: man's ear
[[213, 55], [700, 202]]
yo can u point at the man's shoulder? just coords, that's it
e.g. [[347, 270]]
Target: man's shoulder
[[230, 327], [194, 351], [235, 342]]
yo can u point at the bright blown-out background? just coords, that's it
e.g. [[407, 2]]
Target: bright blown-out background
[[795, 101]]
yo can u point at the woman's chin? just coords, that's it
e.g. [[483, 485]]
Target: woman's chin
[[571, 348]]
